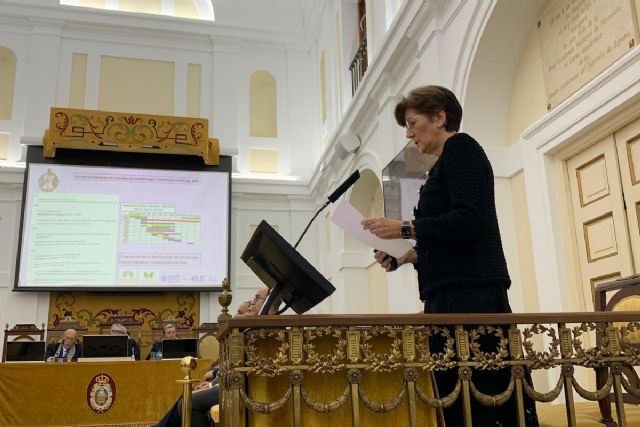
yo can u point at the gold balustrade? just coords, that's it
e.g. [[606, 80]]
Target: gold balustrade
[[363, 370]]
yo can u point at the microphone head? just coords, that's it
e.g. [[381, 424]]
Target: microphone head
[[344, 186]]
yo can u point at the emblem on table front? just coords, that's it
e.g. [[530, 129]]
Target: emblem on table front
[[101, 393]]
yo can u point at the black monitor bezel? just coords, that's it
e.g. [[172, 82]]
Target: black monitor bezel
[[113, 337], [195, 352], [41, 344], [271, 274]]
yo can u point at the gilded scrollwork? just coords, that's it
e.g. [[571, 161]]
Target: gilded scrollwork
[[382, 407], [408, 344], [325, 363], [265, 407], [325, 407], [444, 402], [591, 357], [544, 359], [489, 360], [381, 349], [493, 400], [435, 361], [593, 395], [515, 343], [95, 130], [550, 396], [262, 365], [381, 362]]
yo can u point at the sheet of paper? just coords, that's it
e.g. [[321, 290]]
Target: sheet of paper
[[348, 218]]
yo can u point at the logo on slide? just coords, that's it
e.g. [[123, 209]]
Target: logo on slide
[[48, 181]]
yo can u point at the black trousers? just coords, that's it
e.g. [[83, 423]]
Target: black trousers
[[201, 403], [478, 299]]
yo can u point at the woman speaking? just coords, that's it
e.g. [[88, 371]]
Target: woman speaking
[[458, 255]]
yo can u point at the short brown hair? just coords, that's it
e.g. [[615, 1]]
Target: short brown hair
[[429, 100]]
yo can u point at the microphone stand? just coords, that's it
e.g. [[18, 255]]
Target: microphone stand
[[309, 224], [332, 198]]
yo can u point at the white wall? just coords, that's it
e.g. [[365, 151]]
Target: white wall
[[15, 307], [427, 42]]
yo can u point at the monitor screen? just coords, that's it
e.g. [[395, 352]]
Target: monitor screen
[[402, 179], [105, 346], [25, 351], [276, 263], [96, 220], [179, 348]]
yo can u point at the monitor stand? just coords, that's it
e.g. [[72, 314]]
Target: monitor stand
[[272, 297]]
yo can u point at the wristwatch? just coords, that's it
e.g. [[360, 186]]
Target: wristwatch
[[405, 230]]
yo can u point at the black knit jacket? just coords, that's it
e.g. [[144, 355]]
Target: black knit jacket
[[458, 239]]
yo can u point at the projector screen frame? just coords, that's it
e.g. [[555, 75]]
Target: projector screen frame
[[118, 159]]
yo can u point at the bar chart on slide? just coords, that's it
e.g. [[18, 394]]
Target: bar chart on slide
[[159, 228]]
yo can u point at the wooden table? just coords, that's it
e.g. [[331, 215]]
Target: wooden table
[[61, 393]]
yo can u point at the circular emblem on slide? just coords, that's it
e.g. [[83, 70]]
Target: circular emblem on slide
[[101, 393], [48, 181]]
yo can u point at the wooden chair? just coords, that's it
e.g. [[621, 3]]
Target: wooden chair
[[55, 334], [157, 332], [618, 295], [21, 332], [208, 346], [133, 326]]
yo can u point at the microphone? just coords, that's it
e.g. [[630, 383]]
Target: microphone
[[332, 198], [343, 187]]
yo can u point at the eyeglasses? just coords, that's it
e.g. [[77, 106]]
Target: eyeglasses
[[410, 122], [258, 298]]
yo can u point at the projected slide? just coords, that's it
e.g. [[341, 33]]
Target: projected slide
[[72, 238], [118, 227], [142, 226]]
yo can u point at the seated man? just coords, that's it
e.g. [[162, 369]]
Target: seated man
[[243, 308], [169, 332], [120, 329], [68, 349], [206, 394]]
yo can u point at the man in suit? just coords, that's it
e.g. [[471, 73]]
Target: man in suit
[[68, 349], [169, 332], [120, 329]]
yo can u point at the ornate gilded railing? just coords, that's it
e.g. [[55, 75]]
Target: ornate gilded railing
[[284, 366]]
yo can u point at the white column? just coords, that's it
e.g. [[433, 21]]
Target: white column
[[44, 58]]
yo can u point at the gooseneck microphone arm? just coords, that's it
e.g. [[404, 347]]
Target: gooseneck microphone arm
[[332, 198], [309, 224]]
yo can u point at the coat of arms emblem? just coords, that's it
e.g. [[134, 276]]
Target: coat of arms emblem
[[101, 393], [48, 181]]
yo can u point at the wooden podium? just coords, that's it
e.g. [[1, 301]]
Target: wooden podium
[[300, 371]]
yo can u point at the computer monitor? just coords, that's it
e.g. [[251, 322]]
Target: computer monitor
[[105, 346], [25, 351], [179, 348], [284, 270]]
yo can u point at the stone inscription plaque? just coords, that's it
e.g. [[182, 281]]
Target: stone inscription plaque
[[579, 39]]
